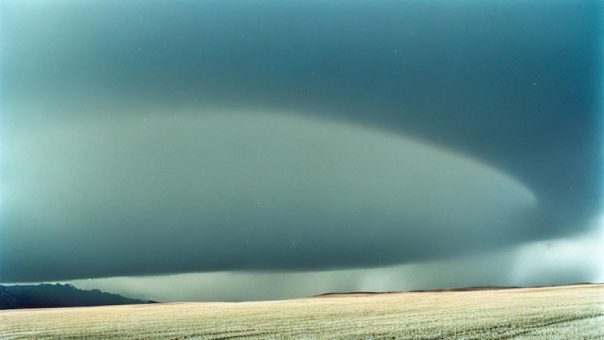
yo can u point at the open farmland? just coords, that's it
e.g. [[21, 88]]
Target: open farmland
[[553, 312]]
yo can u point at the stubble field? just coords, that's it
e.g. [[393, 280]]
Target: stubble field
[[553, 312]]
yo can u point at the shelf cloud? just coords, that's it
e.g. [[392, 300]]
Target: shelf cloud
[[216, 191]]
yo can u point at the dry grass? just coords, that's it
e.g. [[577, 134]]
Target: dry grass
[[559, 312]]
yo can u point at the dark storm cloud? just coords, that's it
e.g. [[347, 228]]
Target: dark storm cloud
[[213, 190], [85, 183]]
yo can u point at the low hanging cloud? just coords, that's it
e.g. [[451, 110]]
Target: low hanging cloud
[[565, 261], [227, 190]]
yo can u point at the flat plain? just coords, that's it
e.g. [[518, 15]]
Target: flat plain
[[551, 312]]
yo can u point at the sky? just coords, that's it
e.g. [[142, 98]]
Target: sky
[[243, 150]]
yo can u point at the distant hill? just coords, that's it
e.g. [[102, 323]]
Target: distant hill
[[57, 295], [460, 289]]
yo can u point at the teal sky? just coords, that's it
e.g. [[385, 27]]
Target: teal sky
[[348, 145]]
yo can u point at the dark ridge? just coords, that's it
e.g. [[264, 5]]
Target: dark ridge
[[58, 295], [467, 289], [456, 289], [357, 293]]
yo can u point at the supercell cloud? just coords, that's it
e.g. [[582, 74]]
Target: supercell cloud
[[216, 191], [199, 136]]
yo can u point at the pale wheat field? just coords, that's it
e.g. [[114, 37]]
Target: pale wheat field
[[558, 312]]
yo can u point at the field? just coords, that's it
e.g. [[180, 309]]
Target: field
[[553, 312]]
